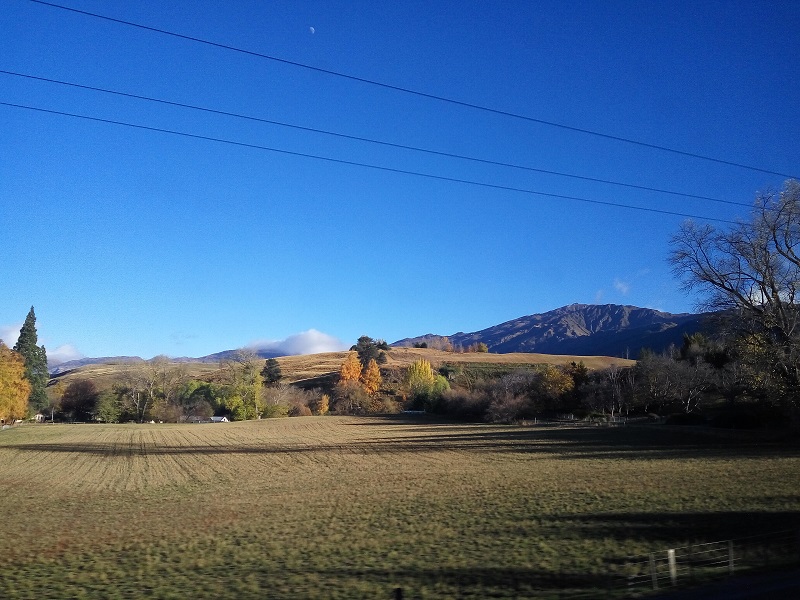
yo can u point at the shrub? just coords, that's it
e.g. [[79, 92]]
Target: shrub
[[465, 404], [351, 399], [299, 410], [508, 408]]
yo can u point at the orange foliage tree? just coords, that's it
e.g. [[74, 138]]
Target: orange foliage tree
[[14, 387], [350, 369], [371, 377]]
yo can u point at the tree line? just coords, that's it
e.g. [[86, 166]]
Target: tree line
[[747, 274]]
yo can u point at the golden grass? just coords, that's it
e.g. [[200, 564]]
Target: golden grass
[[346, 507], [312, 366]]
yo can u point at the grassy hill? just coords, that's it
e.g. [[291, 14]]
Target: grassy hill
[[312, 368]]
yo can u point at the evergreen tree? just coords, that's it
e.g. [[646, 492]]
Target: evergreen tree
[[35, 361], [271, 372]]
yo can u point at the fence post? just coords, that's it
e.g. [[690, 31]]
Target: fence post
[[730, 557], [673, 567], [653, 574]]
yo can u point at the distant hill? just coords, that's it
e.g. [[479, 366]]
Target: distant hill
[[582, 330], [124, 360]]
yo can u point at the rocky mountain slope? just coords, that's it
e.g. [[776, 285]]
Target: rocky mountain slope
[[583, 330]]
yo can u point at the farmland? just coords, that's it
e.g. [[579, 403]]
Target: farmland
[[346, 507]]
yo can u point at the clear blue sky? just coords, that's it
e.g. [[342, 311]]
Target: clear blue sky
[[138, 242]]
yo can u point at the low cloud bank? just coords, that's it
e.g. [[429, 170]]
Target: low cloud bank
[[63, 354], [307, 342], [9, 334]]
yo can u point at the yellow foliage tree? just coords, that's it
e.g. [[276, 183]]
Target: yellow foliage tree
[[371, 377], [420, 377], [14, 387], [350, 369], [555, 382]]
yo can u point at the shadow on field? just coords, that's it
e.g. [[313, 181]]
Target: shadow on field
[[556, 442], [670, 529], [472, 582]]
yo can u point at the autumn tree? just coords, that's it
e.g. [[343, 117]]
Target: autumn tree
[[419, 376], [371, 378], [322, 405], [425, 387], [35, 361], [79, 400], [15, 388], [350, 369]]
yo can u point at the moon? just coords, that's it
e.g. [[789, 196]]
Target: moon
[[312, 30]]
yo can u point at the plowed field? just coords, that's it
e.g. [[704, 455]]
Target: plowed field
[[338, 507]]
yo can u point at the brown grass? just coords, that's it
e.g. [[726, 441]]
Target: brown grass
[[315, 366], [344, 507]]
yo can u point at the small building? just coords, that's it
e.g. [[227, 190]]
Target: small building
[[219, 420]]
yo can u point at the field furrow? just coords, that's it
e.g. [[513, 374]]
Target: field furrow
[[343, 507]]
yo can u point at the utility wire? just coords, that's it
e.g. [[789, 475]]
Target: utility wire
[[418, 93], [363, 165], [373, 141]]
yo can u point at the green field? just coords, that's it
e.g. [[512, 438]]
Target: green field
[[342, 507]]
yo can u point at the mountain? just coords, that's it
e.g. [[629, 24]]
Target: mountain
[[582, 330], [112, 360]]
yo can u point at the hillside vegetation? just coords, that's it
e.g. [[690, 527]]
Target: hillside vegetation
[[313, 366]]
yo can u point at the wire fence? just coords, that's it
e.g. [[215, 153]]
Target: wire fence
[[637, 576]]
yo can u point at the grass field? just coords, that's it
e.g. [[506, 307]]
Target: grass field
[[341, 507]]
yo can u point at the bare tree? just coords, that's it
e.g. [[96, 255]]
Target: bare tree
[[752, 271]]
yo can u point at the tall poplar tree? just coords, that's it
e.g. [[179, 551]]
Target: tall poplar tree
[[35, 361]]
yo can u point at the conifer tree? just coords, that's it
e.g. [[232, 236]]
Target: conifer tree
[[35, 361], [371, 378]]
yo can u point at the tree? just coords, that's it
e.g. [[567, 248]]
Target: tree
[[371, 378], [108, 407], [350, 369], [271, 373], [150, 387], [752, 272], [322, 405], [419, 377], [35, 361], [79, 401], [425, 387], [14, 386], [244, 381], [369, 349]]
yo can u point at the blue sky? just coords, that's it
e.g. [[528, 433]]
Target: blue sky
[[138, 242]]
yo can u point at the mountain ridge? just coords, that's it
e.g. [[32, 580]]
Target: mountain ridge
[[576, 329], [583, 330]]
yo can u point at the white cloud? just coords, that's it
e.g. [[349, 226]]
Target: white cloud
[[63, 354], [10, 333], [623, 287], [307, 342]]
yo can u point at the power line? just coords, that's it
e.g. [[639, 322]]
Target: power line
[[420, 94], [373, 141], [363, 165]]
